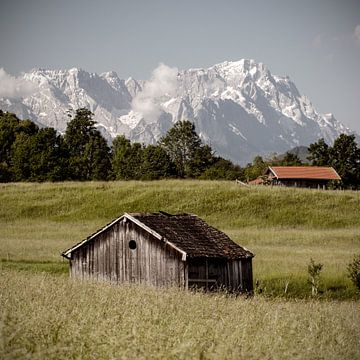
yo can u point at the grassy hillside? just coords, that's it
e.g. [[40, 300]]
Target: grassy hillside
[[44, 314], [283, 227], [224, 203]]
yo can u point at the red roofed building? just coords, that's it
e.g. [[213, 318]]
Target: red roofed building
[[302, 176]]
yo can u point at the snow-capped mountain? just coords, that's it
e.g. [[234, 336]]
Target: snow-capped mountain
[[239, 108]]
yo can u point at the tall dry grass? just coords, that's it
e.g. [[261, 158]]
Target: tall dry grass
[[47, 317]]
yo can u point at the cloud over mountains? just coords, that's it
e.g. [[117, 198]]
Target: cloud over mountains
[[163, 82], [15, 87]]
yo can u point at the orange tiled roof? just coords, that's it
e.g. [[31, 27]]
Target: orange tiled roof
[[305, 172]]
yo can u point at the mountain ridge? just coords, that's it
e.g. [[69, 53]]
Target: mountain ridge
[[239, 107]]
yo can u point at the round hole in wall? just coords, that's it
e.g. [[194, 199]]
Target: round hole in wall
[[132, 244]]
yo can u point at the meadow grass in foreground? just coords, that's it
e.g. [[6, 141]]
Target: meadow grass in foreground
[[46, 315], [283, 227], [53, 317]]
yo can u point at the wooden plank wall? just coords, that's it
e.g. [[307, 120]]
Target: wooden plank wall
[[233, 275], [247, 275], [108, 257]]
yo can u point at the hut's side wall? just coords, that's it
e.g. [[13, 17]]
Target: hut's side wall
[[109, 257], [302, 183], [233, 275], [235, 280], [239, 275], [247, 275]]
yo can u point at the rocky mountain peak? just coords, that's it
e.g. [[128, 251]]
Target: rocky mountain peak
[[238, 107]]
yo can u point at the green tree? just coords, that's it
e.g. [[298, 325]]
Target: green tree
[[89, 155], [156, 164], [9, 124], [126, 159], [223, 169], [28, 153], [184, 148], [319, 153], [256, 169], [202, 159], [98, 159], [120, 148], [21, 157], [10, 129], [345, 158], [27, 127], [38, 157], [48, 156], [291, 159]]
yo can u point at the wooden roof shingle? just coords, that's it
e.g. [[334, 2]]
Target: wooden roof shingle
[[193, 235]]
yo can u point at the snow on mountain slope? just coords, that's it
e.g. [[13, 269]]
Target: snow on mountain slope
[[239, 108], [105, 95]]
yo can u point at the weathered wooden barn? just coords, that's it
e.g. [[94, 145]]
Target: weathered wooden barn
[[301, 176], [161, 249]]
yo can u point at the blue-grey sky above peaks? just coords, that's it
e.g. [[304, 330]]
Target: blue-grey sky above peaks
[[315, 42]]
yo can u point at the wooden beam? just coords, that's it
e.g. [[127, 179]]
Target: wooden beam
[[206, 273], [211, 281]]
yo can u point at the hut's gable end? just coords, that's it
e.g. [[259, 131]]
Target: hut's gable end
[[125, 252]]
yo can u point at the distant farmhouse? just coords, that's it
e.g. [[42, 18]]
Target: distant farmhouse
[[161, 249], [298, 176]]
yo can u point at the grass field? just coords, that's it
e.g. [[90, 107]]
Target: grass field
[[46, 315]]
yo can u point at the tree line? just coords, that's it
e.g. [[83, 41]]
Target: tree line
[[30, 153]]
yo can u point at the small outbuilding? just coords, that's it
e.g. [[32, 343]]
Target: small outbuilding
[[161, 249], [301, 176]]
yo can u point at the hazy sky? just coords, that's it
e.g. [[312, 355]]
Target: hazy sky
[[315, 42]]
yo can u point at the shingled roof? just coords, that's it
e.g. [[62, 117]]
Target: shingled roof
[[193, 235], [305, 172], [187, 233]]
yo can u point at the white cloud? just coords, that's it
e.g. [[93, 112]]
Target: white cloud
[[163, 82], [14, 87], [357, 33]]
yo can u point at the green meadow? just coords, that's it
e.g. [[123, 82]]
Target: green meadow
[[44, 314]]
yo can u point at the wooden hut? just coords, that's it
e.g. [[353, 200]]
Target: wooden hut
[[161, 249]]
